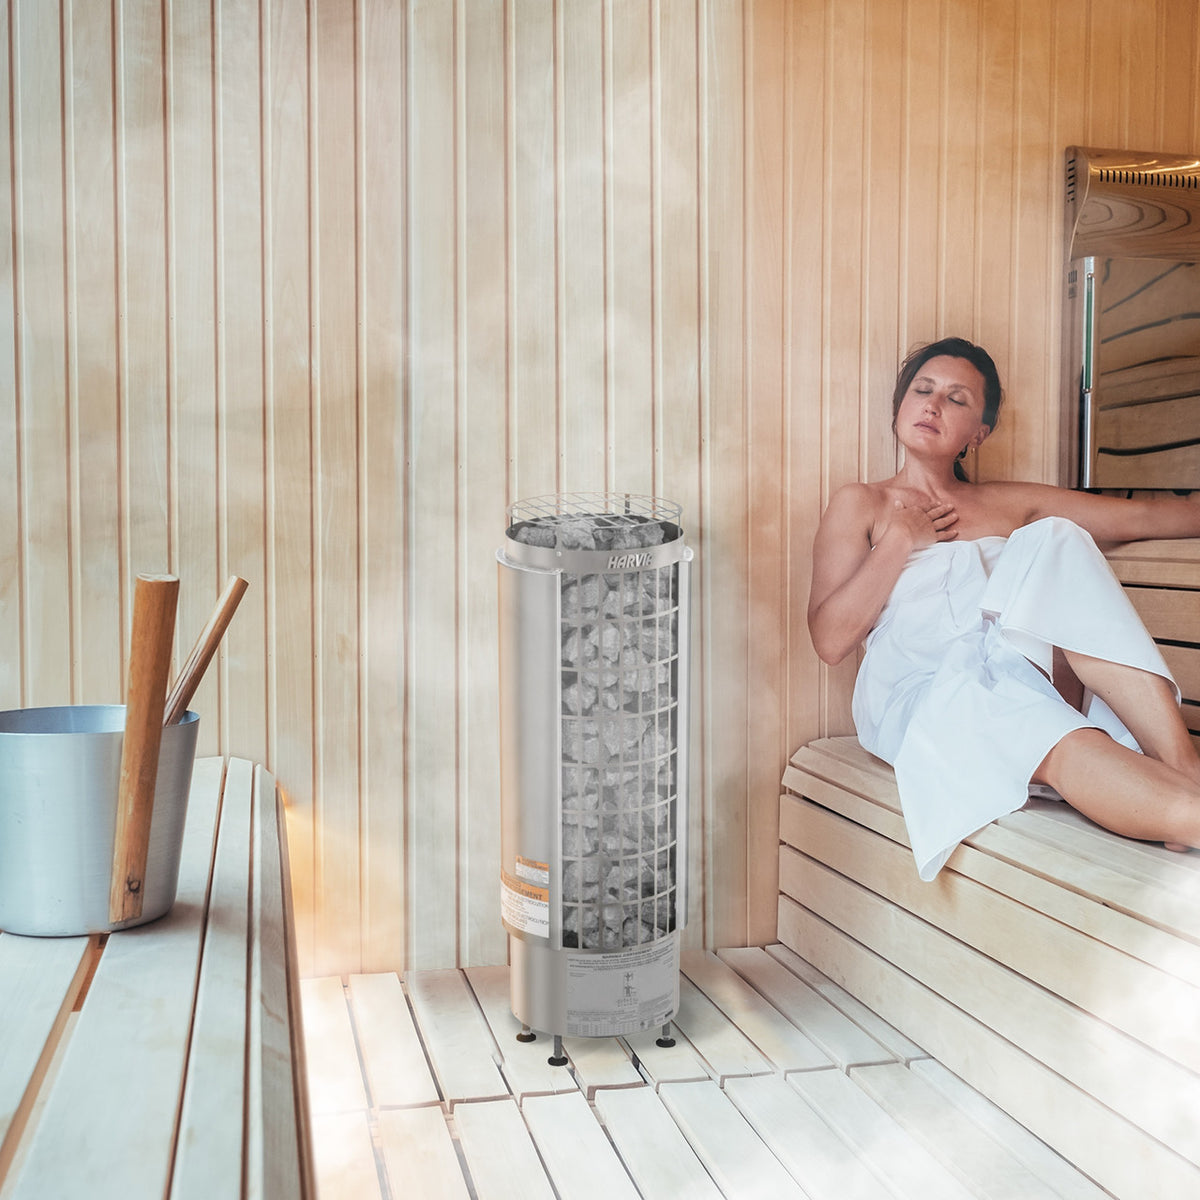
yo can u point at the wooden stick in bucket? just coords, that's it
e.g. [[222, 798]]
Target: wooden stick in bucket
[[202, 652], [154, 601]]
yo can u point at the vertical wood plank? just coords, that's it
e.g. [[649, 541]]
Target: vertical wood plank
[[883, 171], [431, 513], [291, 583], [193, 337], [721, 639], [807, 480], [1176, 106], [336, 416], [380, 102], [1068, 124], [1030, 450], [843, 402], [632, 337], [534, 411], [765, 735], [995, 187], [241, 375], [482, 274], [146, 430], [920, 211], [93, 385], [581, 245], [1138, 33], [43, 435], [1107, 83], [960, 118], [12, 653], [680, 348]]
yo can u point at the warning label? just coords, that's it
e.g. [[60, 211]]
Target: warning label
[[525, 907], [609, 994]]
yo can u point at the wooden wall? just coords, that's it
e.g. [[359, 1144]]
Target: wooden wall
[[312, 292]]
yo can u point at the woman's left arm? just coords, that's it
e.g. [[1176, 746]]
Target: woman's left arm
[[1113, 519]]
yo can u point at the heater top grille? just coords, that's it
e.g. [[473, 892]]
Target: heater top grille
[[590, 521], [615, 508]]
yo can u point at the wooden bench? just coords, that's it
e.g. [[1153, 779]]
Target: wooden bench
[[166, 1060], [1051, 965]]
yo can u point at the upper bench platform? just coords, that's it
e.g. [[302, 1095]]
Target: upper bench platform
[[1052, 965]]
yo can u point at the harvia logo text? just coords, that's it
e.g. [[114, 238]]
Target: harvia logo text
[[628, 562]]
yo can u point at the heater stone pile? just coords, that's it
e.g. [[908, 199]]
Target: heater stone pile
[[620, 645]]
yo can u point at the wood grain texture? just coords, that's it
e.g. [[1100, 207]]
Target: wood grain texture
[[1040, 888], [123, 1134], [349, 278], [154, 603]]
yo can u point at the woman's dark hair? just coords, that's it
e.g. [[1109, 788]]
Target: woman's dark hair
[[953, 347]]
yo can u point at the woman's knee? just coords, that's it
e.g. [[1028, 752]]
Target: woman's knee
[[1077, 749]]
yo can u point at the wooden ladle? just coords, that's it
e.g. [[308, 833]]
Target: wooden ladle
[[154, 601], [204, 649]]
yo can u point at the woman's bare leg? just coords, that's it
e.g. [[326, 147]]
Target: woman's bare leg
[[1146, 705], [1126, 792]]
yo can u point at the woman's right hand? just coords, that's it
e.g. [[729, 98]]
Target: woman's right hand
[[861, 546], [924, 524]]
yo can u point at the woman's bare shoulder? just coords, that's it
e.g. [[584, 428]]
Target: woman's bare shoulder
[[857, 499], [852, 510]]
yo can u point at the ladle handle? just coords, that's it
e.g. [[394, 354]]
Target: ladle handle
[[154, 601], [205, 647]]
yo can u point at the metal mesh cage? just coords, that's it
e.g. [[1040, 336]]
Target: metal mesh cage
[[620, 652]]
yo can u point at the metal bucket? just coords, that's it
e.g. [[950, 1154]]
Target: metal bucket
[[60, 770]]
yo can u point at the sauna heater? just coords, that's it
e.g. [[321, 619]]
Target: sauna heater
[[594, 700]]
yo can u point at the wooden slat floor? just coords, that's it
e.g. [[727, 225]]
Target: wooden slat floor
[[780, 1085]]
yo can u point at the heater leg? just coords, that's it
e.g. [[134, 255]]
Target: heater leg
[[526, 1035], [666, 1041], [558, 1058]]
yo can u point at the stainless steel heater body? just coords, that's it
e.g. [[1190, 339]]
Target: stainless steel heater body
[[594, 640]]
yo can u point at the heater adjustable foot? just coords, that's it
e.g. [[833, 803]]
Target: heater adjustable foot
[[558, 1058], [526, 1035], [665, 1040]]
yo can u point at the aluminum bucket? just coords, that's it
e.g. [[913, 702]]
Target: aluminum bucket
[[60, 769]]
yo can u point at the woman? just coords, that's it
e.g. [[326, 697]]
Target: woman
[[991, 621]]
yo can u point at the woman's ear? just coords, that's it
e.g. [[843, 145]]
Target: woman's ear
[[980, 435]]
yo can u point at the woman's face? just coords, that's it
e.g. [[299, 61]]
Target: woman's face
[[942, 411]]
